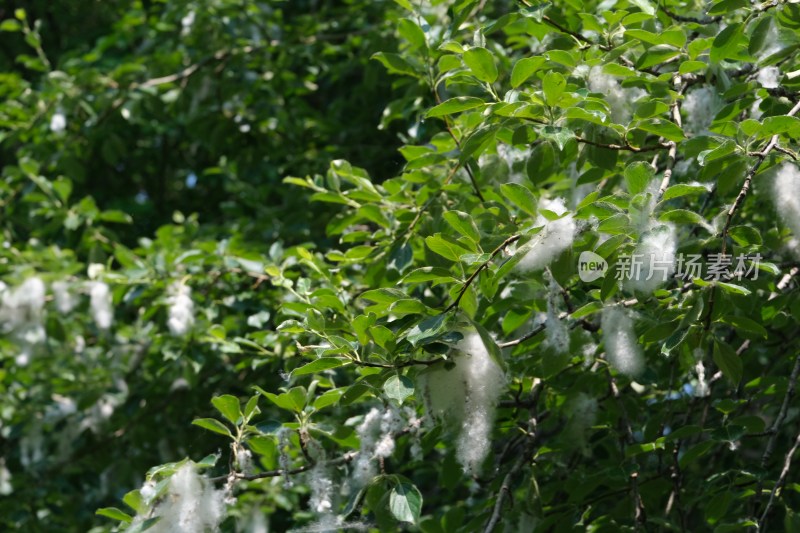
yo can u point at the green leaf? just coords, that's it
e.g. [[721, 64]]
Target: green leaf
[[646, 6], [446, 247], [115, 215], [733, 289], [558, 135], [441, 275], [429, 328], [395, 64], [553, 86], [405, 502], [727, 6], [683, 189], [228, 406], [638, 176], [10, 25], [681, 216], [412, 33], [481, 62], [745, 236], [524, 69], [781, 125], [656, 56], [455, 105], [114, 514], [212, 424], [664, 128], [463, 224], [745, 324], [726, 359], [726, 43], [323, 363], [520, 196], [398, 388]]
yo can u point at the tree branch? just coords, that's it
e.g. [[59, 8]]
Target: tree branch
[[483, 265], [627, 146]]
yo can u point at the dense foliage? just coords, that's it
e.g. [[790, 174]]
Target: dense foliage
[[320, 265]]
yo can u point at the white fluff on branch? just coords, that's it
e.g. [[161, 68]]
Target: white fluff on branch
[[191, 504], [622, 348], [786, 195], [467, 396], [619, 99], [656, 254], [181, 309], [100, 304], [554, 237]]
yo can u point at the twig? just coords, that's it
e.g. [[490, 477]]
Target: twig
[[404, 364], [673, 146], [773, 430], [505, 488], [787, 463], [346, 458], [483, 265], [627, 146], [684, 18], [577, 36], [531, 334], [761, 156]]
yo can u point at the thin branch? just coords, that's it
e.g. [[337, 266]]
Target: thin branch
[[505, 489], [627, 146], [684, 18], [346, 458], [773, 430], [673, 146], [483, 265], [404, 364], [761, 156], [531, 334], [577, 36], [787, 463]]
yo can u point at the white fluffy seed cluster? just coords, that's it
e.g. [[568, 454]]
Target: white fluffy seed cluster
[[190, 505], [21, 315], [556, 330], [700, 107], [618, 98], [101, 304], [554, 237], [769, 77], [58, 122], [376, 434], [622, 348], [467, 395], [786, 196], [656, 250], [181, 309]]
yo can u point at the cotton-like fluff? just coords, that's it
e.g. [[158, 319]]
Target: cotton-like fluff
[[22, 305], [377, 435], [622, 348], [703, 388], [65, 301], [6, 487], [618, 98], [582, 410], [656, 255], [181, 309], [556, 330], [485, 384], [769, 77], [191, 505], [321, 501], [700, 106], [786, 195], [100, 304], [467, 396], [555, 237], [58, 122]]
